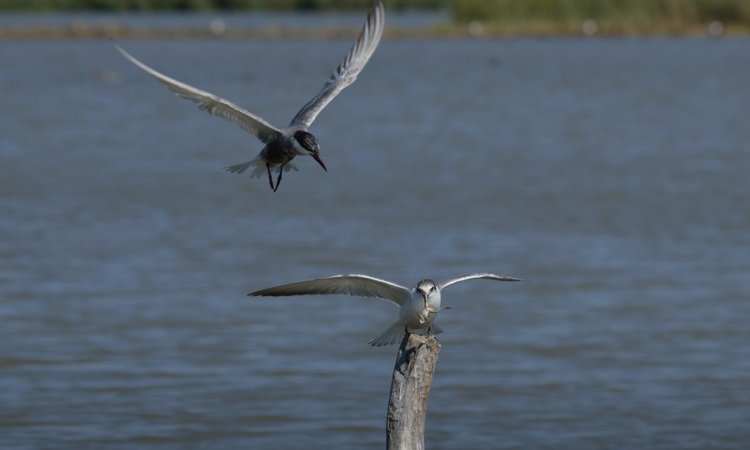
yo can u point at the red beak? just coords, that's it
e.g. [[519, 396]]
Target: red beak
[[320, 161]]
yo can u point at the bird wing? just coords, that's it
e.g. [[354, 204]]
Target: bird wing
[[348, 69], [486, 276], [211, 103], [359, 285]]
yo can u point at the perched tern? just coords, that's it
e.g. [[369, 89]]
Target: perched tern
[[419, 306], [283, 144]]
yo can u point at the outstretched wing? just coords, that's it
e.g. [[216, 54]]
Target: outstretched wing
[[359, 285], [473, 276], [349, 68], [211, 103]]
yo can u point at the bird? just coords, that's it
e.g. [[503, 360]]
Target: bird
[[283, 144], [419, 305]]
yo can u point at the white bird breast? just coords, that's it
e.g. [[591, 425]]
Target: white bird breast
[[418, 315]]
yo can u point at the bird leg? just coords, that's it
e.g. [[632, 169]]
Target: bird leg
[[278, 180], [270, 179]]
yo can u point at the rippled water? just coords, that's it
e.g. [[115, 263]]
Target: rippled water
[[610, 174]]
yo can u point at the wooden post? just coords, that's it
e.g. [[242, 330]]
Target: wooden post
[[410, 388]]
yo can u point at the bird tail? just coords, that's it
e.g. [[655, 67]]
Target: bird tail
[[433, 329], [392, 335], [260, 167], [239, 168]]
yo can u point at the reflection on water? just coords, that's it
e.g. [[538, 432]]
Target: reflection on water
[[608, 173]]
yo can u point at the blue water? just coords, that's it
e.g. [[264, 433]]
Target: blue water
[[610, 174]]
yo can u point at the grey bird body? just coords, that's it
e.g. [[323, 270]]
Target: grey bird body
[[418, 306], [282, 145]]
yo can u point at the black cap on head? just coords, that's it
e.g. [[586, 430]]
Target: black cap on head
[[309, 143]]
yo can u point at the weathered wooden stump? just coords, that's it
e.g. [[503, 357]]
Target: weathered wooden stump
[[410, 388]]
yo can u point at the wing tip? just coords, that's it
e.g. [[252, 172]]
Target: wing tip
[[504, 277]]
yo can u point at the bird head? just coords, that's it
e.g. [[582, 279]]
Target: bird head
[[308, 145], [427, 288]]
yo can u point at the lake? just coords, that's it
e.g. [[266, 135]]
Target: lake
[[610, 174]]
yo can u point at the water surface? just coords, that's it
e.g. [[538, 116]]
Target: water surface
[[610, 174]]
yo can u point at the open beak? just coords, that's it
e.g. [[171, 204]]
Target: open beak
[[316, 156]]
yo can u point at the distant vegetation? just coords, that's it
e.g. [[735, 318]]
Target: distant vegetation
[[201, 5], [464, 10], [488, 17], [622, 13]]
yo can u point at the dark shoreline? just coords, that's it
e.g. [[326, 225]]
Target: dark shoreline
[[477, 30]]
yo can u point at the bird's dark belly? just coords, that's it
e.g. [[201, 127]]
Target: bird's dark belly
[[277, 153]]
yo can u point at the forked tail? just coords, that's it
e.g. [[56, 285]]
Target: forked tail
[[392, 335], [260, 167]]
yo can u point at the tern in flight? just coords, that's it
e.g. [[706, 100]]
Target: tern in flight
[[419, 306], [283, 144]]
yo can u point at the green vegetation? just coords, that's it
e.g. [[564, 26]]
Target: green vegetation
[[615, 14], [487, 17]]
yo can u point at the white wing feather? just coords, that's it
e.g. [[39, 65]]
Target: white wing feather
[[347, 71], [211, 103], [358, 285], [473, 276]]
